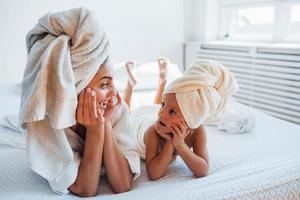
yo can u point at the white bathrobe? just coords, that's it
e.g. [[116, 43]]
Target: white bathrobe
[[65, 50]]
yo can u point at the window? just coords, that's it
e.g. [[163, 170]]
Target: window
[[273, 21], [295, 22], [254, 22]]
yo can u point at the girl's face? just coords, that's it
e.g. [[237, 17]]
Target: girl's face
[[103, 85], [169, 114]]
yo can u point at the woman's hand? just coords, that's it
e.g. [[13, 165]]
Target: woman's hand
[[112, 108], [87, 113], [179, 130]]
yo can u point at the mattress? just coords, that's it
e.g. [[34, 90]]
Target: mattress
[[261, 164]]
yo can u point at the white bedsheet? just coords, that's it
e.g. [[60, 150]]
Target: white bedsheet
[[262, 164]]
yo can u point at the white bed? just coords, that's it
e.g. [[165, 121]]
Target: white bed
[[262, 164]]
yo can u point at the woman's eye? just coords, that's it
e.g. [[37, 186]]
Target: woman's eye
[[104, 85], [172, 112], [162, 104]]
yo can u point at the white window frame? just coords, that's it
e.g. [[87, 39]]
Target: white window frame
[[282, 15]]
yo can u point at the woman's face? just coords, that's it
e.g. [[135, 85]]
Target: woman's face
[[103, 85], [169, 114]]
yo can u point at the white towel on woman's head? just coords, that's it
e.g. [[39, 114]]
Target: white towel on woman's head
[[202, 92], [65, 50]]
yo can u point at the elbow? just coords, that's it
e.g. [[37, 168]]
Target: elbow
[[87, 194], [154, 171], [123, 187], [153, 176], [201, 173], [83, 192]]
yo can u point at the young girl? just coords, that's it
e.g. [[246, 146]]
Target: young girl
[[176, 127]]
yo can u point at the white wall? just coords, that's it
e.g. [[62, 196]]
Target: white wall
[[201, 20], [201, 23], [138, 29]]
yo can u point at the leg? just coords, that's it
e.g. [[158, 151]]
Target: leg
[[132, 81], [163, 65]]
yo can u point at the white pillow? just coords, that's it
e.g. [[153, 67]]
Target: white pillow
[[147, 75]]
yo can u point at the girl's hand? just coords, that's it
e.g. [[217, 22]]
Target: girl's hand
[[87, 113], [166, 136], [179, 130], [112, 108]]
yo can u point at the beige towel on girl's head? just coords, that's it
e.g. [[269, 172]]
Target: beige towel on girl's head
[[203, 91]]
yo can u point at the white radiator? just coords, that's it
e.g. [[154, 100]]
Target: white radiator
[[268, 76]]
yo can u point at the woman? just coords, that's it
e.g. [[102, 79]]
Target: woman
[[76, 122]]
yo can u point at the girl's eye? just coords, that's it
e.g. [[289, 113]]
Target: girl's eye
[[162, 104], [172, 112]]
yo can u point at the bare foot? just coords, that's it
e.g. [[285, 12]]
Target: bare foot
[[132, 80], [163, 69]]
